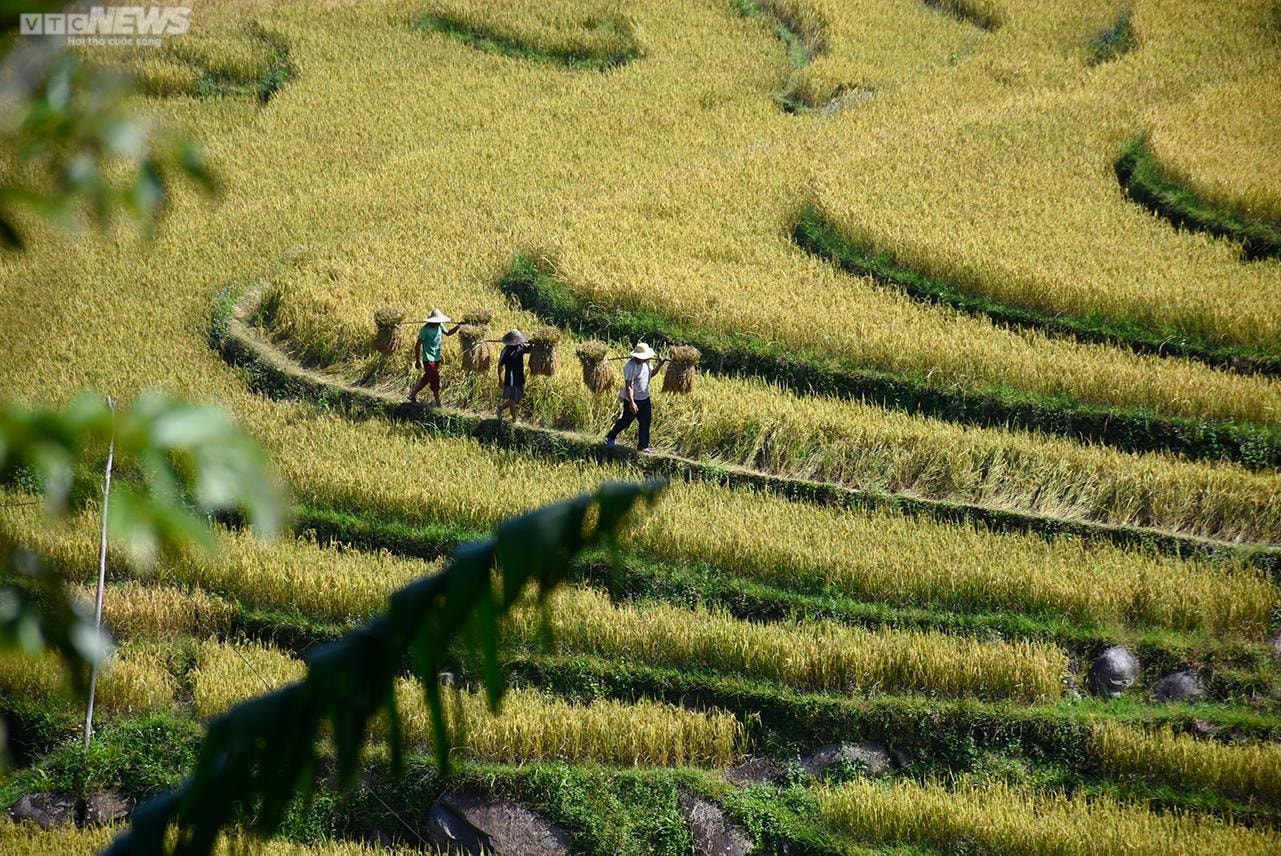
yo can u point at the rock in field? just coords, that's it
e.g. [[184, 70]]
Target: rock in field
[[1113, 672], [463, 822], [871, 758], [1204, 728], [1178, 686], [106, 807], [44, 810], [758, 771], [714, 833]]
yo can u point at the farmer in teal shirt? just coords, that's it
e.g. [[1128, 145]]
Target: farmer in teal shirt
[[427, 353]]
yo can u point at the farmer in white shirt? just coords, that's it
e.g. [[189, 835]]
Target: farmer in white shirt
[[635, 396]]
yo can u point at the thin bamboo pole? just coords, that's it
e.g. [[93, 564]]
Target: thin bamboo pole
[[102, 573]]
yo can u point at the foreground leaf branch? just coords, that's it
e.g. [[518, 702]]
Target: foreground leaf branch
[[261, 754], [181, 465]]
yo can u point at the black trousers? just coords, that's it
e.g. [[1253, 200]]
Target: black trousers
[[642, 414]]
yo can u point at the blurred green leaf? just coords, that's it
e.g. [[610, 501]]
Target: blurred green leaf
[[176, 464], [76, 149], [250, 759]]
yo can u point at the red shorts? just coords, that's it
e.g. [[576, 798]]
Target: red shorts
[[431, 371]]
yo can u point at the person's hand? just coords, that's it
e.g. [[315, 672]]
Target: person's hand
[[633, 407]]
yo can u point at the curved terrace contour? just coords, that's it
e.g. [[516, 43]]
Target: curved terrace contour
[[199, 76], [803, 44], [623, 49], [275, 373], [816, 235], [1144, 181], [1254, 446]]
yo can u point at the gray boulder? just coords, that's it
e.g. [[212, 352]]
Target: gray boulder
[[106, 807], [467, 823], [1113, 672], [714, 833], [900, 757], [871, 758], [1204, 728], [1178, 686], [758, 771], [44, 810]]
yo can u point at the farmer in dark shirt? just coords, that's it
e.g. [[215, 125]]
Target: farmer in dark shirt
[[511, 371]]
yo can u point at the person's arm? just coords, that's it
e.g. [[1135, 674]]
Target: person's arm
[[627, 388], [418, 354], [450, 332]]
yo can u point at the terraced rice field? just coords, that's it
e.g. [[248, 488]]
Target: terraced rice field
[[989, 299]]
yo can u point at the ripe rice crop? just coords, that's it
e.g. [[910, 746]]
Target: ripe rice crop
[[1074, 244], [716, 155], [529, 727], [886, 557], [340, 289], [883, 556], [136, 611], [134, 680], [340, 282], [911, 41], [1250, 772], [756, 424], [879, 556], [999, 818], [327, 583], [594, 28], [881, 328], [813, 656], [226, 674], [1220, 142], [403, 167], [543, 358], [225, 51], [31, 840]]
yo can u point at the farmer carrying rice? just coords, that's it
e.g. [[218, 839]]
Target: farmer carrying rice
[[511, 371], [427, 355], [635, 396]]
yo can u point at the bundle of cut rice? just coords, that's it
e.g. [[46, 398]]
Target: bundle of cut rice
[[388, 338], [598, 376], [543, 359], [682, 364], [477, 356]]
